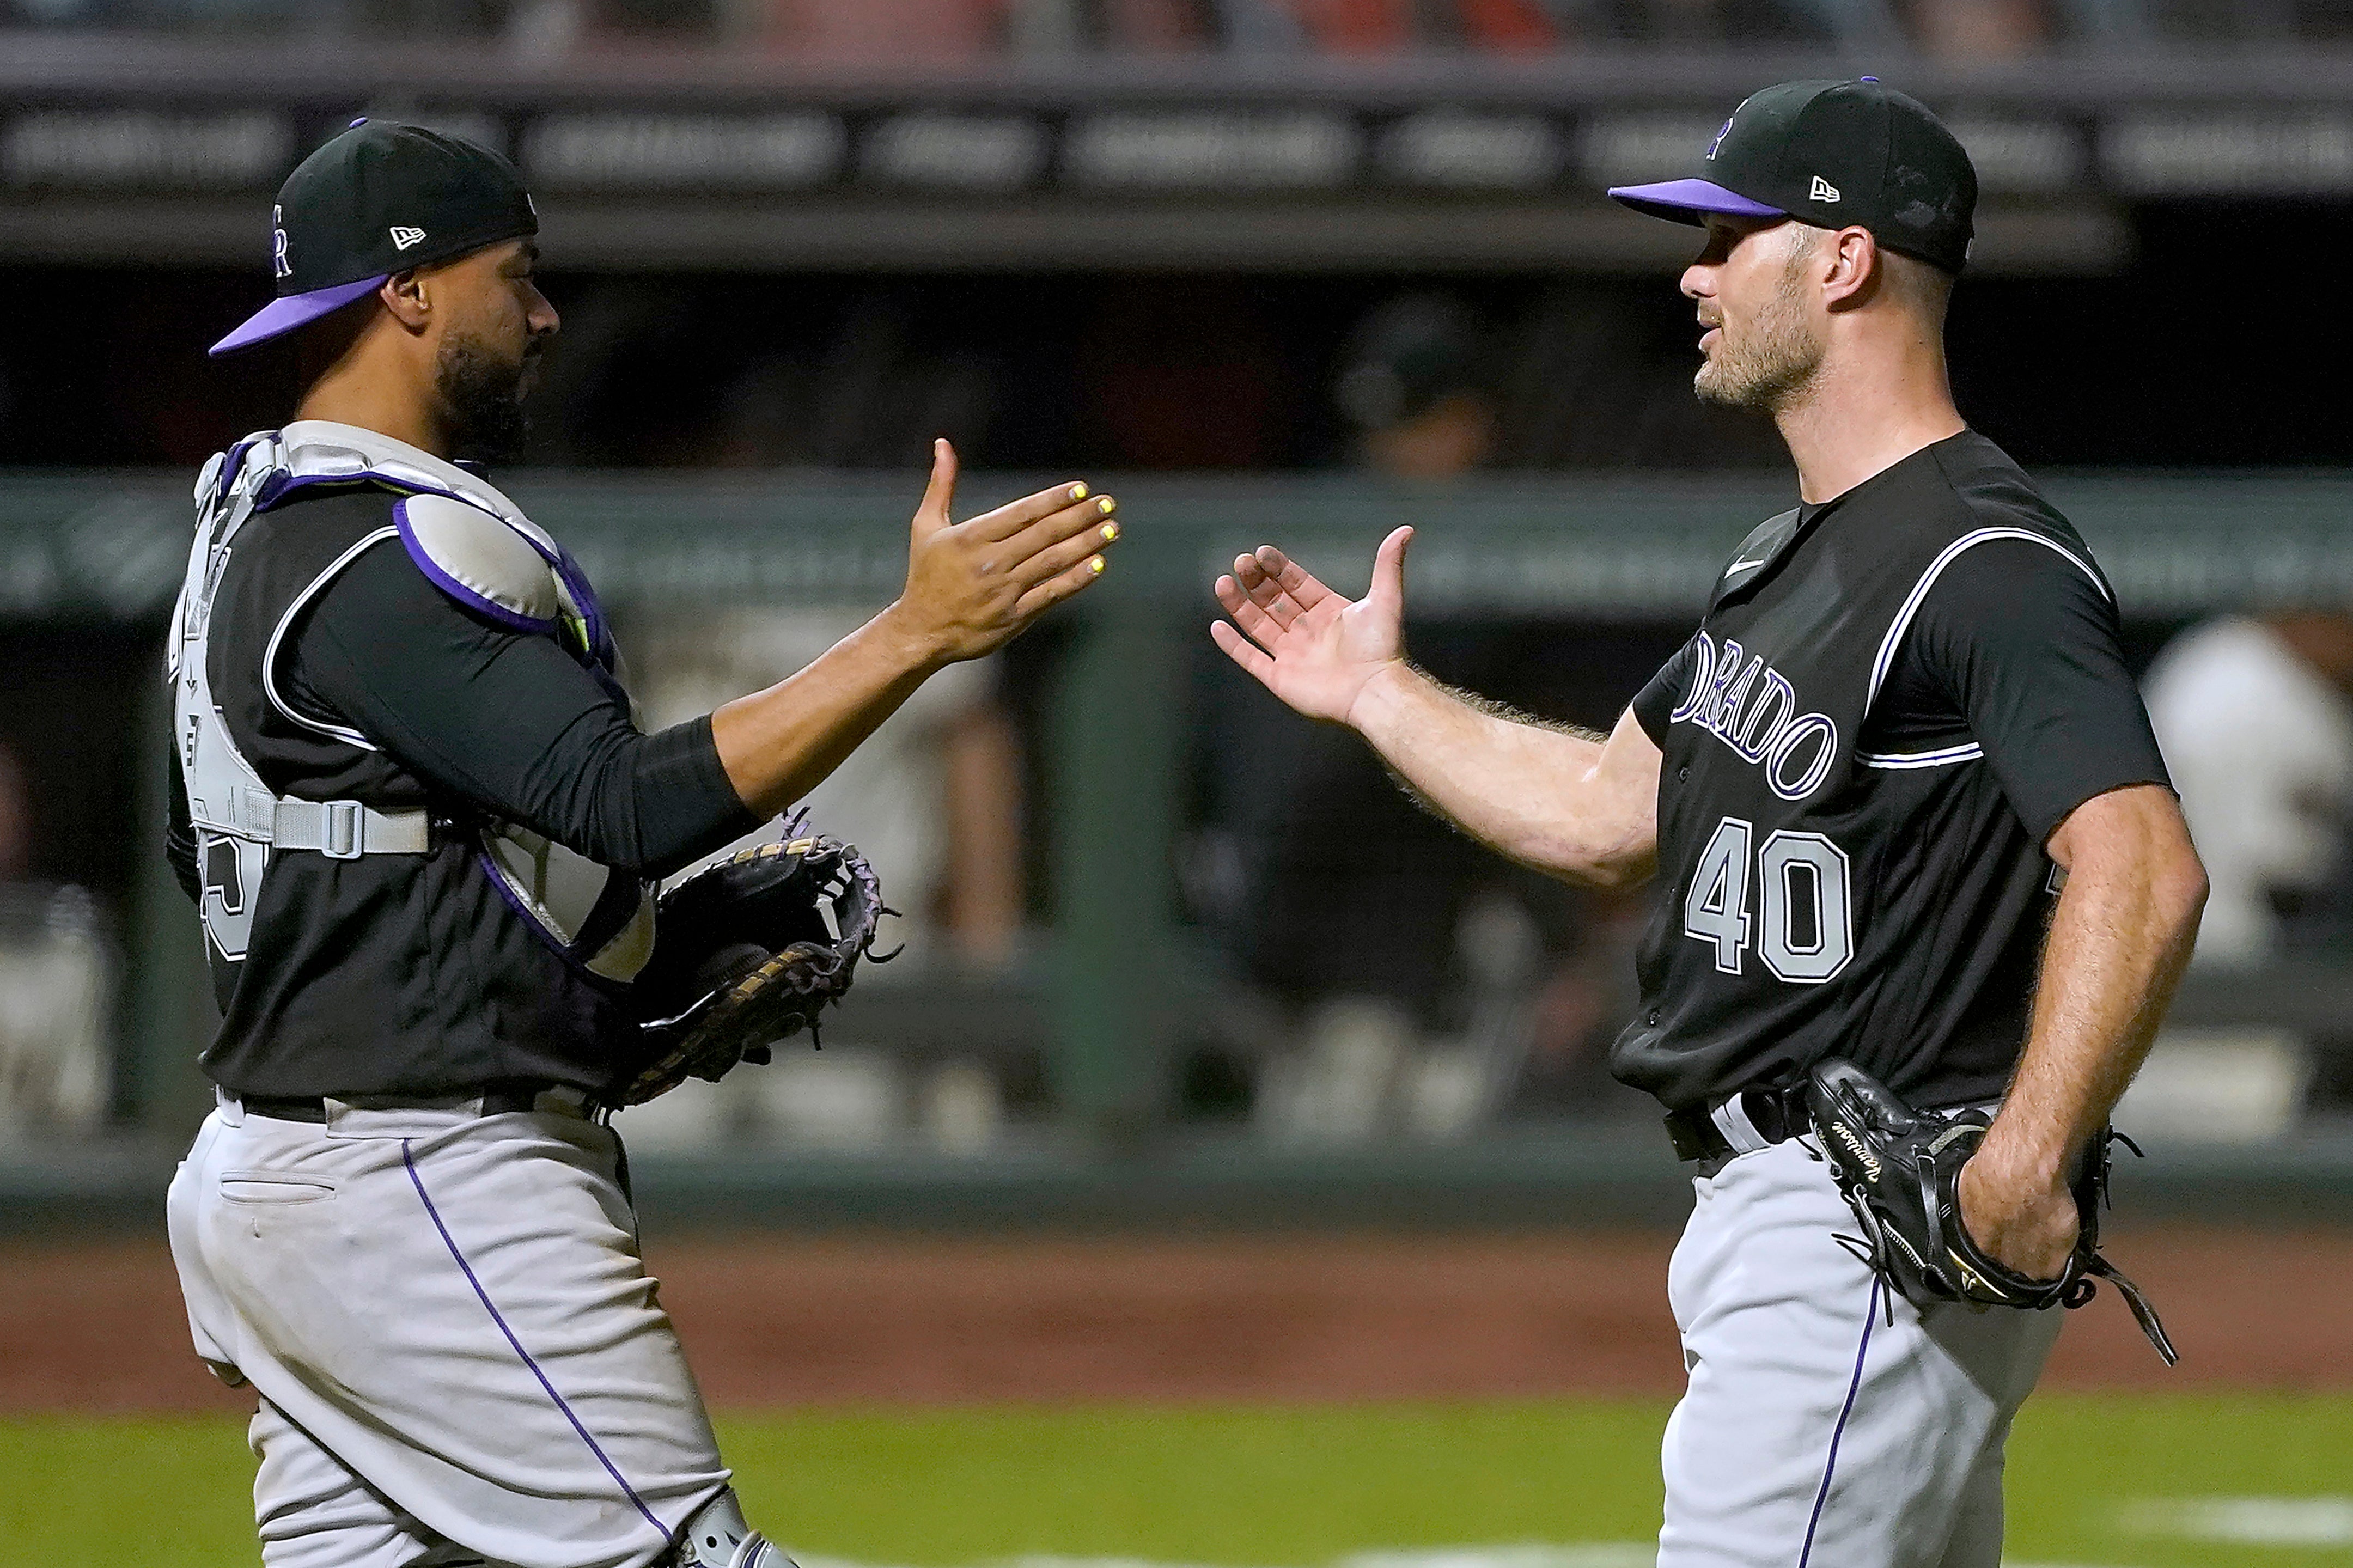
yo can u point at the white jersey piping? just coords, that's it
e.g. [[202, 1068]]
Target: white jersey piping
[[278, 635], [1943, 757], [1912, 601]]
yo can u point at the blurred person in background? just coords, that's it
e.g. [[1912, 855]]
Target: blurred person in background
[[1413, 387], [54, 975], [1352, 913], [2256, 716], [935, 794], [1429, 990]]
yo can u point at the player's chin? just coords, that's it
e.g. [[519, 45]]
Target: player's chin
[[1722, 385]]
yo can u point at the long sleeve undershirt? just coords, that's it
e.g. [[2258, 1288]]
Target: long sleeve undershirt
[[509, 722]]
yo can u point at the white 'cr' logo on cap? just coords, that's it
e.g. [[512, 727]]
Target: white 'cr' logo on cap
[[278, 264]]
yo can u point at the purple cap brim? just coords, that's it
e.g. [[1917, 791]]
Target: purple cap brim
[[1686, 200], [281, 316]]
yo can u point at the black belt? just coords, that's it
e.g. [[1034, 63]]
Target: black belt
[[497, 1101], [1777, 1115]]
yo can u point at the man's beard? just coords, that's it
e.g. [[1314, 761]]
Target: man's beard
[[1771, 364], [481, 400]]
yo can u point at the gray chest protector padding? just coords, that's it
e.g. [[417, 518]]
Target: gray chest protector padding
[[472, 543]]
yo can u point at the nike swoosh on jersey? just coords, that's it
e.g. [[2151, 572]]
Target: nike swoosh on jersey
[[1744, 566]]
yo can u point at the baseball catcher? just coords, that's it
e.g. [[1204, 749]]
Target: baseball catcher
[[424, 835], [1900, 1170]]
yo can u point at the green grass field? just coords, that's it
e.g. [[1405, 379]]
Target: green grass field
[[2132, 1483]]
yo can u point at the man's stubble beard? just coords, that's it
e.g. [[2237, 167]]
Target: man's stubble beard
[[1773, 364], [481, 399]]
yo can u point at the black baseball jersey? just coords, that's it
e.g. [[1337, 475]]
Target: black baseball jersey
[[1894, 698], [345, 674]]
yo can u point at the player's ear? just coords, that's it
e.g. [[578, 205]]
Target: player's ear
[[1853, 274], [1853, 269], [404, 296]]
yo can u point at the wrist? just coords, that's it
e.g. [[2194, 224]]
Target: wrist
[[1383, 691], [2017, 1158], [916, 649]]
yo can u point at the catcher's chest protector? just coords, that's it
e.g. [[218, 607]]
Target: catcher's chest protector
[[472, 543]]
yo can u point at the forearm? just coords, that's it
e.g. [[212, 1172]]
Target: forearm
[[2119, 942], [1542, 795], [640, 803], [778, 745]]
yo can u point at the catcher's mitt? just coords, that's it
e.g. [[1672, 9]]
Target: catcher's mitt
[[1900, 1170], [749, 951]]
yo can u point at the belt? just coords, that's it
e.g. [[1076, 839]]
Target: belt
[[500, 1099], [1742, 1123]]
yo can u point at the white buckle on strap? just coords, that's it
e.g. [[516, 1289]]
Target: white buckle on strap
[[345, 829], [339, 838]]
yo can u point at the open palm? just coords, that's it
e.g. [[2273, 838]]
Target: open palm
[[1313, 648]]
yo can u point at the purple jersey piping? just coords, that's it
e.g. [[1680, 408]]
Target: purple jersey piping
[[472, 599], [1855, 1386], [417, 1181]]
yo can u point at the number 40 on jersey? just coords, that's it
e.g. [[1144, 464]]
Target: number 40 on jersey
[[1803, 926]]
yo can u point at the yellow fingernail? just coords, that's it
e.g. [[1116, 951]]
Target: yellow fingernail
[[1106, 504], [1094, 564], [1078, 492], [1110, 531]]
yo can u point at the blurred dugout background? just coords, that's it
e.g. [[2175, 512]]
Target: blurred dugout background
[[1294, 269]]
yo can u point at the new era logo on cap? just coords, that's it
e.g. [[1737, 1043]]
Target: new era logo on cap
[[402, 238], [1821, 191]]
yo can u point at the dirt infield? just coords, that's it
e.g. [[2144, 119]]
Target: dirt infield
[[772, 1320]]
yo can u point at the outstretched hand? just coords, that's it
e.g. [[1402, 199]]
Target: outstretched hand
[[973, 587], [1313, 648]]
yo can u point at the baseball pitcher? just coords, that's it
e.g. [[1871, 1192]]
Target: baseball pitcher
[[1923, 892], [424, 835]]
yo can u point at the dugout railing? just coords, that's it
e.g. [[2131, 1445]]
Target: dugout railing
[[1120, 975]]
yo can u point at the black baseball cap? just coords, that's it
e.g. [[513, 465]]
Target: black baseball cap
[[380, 198], [1833, 153]]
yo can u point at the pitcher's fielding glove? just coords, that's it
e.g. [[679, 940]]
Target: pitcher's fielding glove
[[1900, 1171], [747, 951]]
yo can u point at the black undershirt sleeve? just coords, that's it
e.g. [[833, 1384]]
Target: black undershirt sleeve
[[510, 722], [2027, 645], [1662, 694]]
